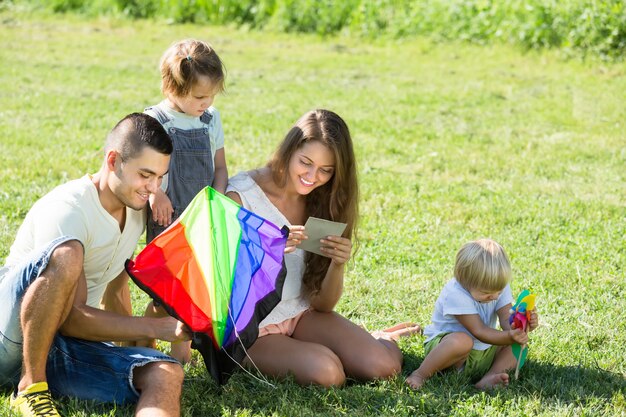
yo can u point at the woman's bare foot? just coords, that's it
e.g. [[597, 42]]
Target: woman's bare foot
[[399, 330], [491, 381], [415, 380]]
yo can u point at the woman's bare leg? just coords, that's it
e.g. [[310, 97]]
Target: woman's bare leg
[[309, 363], [398, 331], [362, 356]]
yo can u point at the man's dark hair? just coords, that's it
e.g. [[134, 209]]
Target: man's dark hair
[[136, 131]]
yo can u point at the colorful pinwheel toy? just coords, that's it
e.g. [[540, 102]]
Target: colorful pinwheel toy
[[520, 315]]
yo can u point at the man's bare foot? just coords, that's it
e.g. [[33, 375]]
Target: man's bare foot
[[415, 380], [399, 330], [491, 381]]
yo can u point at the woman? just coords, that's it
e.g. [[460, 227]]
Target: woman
[[313, 173]]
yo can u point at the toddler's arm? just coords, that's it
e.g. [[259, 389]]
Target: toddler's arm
[[162, 209], [520, 336], [486, 334], [220, 181]]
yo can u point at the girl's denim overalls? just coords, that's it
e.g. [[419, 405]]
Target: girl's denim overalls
[[191, 166]]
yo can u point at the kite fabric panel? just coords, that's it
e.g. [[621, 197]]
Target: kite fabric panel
[[219, 269]]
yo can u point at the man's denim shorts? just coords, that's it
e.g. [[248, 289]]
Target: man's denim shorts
[[78, 368]]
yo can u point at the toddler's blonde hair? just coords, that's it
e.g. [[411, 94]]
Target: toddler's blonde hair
[[187, 60], [482, 264]]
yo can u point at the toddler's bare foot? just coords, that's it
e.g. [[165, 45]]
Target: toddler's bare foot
[[399, 330], [415, 380], [491, 381]]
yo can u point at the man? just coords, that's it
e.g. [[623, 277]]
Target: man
[[64, 290]]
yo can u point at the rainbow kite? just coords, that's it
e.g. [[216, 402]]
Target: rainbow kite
[[219, 269], [520, 314]]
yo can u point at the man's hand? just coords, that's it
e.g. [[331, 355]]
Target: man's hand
[[172, 330]]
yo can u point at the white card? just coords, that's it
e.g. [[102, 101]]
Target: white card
[[317, 229]]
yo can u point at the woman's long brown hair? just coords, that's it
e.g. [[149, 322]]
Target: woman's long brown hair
[[337, 200]]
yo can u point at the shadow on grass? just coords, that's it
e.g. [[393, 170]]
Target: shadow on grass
[[570, 383], [244, 396], [443, 395], [544, 381]]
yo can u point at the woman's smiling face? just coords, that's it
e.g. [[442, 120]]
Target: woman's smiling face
[[311, 166]]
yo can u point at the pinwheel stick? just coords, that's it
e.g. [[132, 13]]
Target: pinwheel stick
[[519, 361]]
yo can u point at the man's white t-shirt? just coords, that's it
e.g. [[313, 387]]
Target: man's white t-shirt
[[74, 209]]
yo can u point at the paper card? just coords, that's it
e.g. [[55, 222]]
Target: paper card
[[317, 229]]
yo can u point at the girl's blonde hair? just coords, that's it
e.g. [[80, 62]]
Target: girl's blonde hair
[[337, 200], [482, 264], [185, 62]]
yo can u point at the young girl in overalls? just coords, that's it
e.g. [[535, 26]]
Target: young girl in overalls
[[192, 74]]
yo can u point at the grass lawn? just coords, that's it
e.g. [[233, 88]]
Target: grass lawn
[[454, 142]]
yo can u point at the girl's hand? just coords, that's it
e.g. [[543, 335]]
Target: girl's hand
[[337, 248], [296, 236], [162, 209], [518, 336], [533, 322]]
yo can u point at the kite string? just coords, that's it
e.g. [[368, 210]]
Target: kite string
[[232, 319], [264, 380]]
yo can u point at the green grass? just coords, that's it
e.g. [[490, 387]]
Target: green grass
[[454, 142]]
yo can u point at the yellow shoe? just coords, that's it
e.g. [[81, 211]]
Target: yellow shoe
[[35, 400]]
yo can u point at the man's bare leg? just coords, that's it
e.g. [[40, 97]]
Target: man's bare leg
[[160, 385], [45, 306]]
